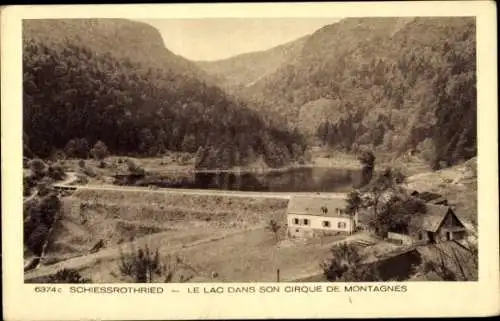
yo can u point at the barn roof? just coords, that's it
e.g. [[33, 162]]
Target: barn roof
[[439, 201], [431, 220], [310, 205], [434, 216]]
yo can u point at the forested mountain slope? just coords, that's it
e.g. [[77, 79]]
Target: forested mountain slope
[[388, 84], [87, 80], [124, 39], [244, 70]]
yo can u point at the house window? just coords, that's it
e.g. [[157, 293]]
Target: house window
[[326, 223], [296, 221], [341, 211], [306, 221], [341, 225]]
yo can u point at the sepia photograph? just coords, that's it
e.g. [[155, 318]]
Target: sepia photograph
[[339, 149], [230, 154]]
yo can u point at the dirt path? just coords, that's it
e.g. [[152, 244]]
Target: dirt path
[[29, 198], [113, 253], [70, 178]]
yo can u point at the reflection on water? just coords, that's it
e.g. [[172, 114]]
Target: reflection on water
[[295, 180]]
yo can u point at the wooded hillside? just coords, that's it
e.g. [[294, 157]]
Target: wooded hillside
[[386, 84], [113, 81]]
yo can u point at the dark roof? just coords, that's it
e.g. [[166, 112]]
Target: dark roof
[[440, 201], [428, 196], [434, 216], [315, 205], [431, 220], [127, 175]]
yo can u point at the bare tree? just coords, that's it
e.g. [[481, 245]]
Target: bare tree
[[345, 265], [274, 227], [450, 265]]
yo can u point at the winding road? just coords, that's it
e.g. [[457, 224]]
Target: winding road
[[113, 253]]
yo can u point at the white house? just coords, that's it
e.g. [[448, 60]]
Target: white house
[[312, 215]]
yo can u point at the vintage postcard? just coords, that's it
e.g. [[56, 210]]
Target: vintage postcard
[[214, 161]]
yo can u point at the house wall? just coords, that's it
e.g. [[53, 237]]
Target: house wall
[[423, 236], [451, 221], [441, 235], [316, 223]]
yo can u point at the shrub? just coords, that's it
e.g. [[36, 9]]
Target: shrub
[[56, 172], [367, 159], [26, 188], [40, 215], [134, 168], [36, 239], [308, 156], [28, 183], [89, 172], [77, 147], [427, 150], [26, 162], [81, 180], [68, 276], [398, 176], [184, 159], [344, 265], [102, 164], [99, 151], [58, 155], [49, 208], [274, 227], [144, 266], [44, 186], [37, 167]]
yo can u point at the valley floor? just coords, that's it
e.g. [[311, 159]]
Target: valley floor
[[215, 236]]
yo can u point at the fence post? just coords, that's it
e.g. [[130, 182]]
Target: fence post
[[277, 275]]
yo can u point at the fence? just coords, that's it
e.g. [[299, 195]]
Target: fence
[[400, 238]]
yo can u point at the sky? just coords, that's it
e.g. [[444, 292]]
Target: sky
[[220, 38]]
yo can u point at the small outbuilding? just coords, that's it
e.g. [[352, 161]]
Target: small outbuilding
[[440, 223]]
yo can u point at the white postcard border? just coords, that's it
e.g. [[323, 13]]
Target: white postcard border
[[453, 299]]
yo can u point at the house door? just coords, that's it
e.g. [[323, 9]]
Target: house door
[[431, 238], [449, 236]]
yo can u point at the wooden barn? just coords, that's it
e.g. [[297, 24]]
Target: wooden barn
[[440, 223]]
